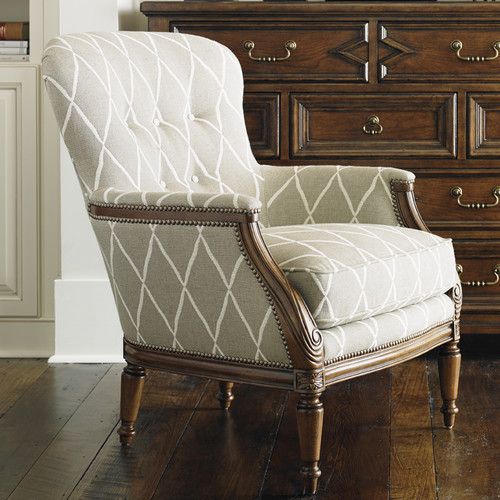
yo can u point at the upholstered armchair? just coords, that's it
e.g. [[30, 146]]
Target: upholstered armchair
[[293, 278]]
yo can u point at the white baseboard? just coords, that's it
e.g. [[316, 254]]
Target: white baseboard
[[87, 327], [85, 359]]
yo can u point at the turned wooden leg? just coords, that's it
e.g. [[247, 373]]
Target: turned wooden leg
[[225, 394], [449, 372], [310, 425], [132, 383]]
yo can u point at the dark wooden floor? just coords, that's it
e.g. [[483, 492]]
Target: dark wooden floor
[[383, 437]]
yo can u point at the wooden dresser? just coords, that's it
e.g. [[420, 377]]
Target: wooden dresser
[[409, 85]]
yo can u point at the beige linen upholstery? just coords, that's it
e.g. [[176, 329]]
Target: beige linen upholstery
[[189, 288], [155, 120], [320, 194], [347, 272], [386, 329], [151, 112], [236, 202]]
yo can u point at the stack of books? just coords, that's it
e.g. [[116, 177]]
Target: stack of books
[[14, 45]]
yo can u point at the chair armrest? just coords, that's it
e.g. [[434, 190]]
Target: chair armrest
[[174, 205], [328, 194], [207, 283]]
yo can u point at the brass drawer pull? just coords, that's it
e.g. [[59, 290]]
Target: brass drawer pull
[[289, 47], [457, 193], [457, 46], [496, 272], [373, 126]]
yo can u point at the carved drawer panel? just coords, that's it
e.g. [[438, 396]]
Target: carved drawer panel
[[437, 51], [358, 125], [336, 52], [262, 121], [460, 203], [484, 125]]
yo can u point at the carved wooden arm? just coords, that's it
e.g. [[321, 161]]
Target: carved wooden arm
[[405, 205]]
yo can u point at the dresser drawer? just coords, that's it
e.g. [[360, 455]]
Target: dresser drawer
[[336, 52], [479, 267], [425, 51], [459, 202], [332, 125], [262, 111]]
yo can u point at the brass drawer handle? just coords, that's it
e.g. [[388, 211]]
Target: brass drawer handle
[[457, 193], [496, 272], [289, 47], [457, 46], [373, 126]]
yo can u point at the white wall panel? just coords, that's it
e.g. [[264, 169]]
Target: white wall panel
[[18, 193]]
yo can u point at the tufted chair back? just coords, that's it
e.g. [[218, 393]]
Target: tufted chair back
[[151, 112]]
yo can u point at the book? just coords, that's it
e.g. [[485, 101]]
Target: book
[[14, 58], [13, 50], [14, 31], [13, 43]]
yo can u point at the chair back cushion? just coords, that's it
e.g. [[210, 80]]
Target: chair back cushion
[[151, 112]]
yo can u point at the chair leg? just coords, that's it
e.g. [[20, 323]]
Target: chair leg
[[225, 394], [132, 384], [310, 426], [449, 373]]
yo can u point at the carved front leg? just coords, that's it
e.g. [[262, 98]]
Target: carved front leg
[[132, 384], [449, 373], [310, 426], [310, 384]]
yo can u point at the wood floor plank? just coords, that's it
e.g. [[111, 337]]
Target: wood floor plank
[[223, 455], [62, 464], [355, 446], [38, 415], [16, 376], [412, 454], [467, 458], [167, 405]]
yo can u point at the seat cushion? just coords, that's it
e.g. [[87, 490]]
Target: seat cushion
[[349, 272], [386, 329]]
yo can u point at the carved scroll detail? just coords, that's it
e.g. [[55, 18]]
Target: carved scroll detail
[[456, 295]]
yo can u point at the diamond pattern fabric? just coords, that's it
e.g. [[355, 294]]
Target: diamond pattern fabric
[[386, 329], [189, 288], [323, 194], [151, 112], [348, 272]]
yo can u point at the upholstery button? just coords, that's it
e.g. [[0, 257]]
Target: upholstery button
[[163, 184], [191, 116], [195, 179], [156, 122]]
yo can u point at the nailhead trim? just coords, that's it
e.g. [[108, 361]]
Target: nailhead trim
[[394, 200], [261, 282], [387, 344], [198, 354], [176, 208], [163, 222]]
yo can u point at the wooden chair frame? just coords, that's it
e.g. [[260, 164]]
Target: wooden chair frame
[[309, 376]]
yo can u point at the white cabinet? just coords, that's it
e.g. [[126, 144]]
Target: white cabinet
[[18, 191]]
